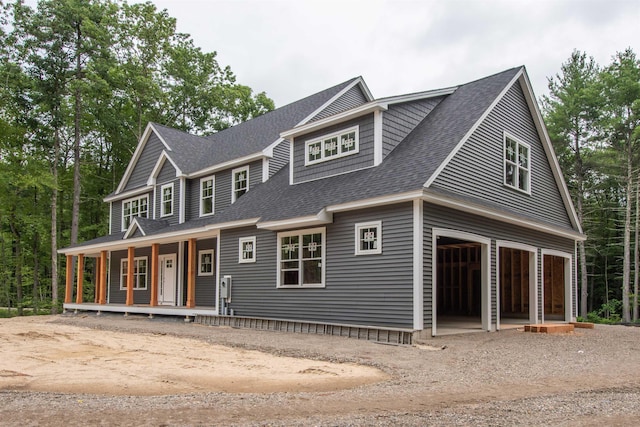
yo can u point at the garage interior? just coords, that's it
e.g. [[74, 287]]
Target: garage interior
[[459, 284], [554, 283], [514, 285]]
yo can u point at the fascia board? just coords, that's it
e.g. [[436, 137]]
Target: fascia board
[[471, 130], [132, 229], [322, 218], [128, 194], [226, 165], [376, 201], [550, 152], [362, 110], [136, 154], [464, 205], [418, 95]]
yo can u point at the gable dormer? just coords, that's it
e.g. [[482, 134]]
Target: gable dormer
[[354, 95]]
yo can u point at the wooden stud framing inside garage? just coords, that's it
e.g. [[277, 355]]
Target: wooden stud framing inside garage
[[456, 265], [514, 282]]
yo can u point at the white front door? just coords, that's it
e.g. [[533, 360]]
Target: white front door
[[167, 279]]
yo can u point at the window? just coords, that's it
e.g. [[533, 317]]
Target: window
[[205, 262], [369, 238], [301, 258], [247, 249], [517, 164], [240, 182], [139, 273], [166, 205], [132, 208], [207, 190], [332, 146]]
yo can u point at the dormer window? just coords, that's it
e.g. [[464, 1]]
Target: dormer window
[[332, 146]]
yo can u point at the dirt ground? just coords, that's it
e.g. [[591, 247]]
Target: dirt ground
[[112, 370]]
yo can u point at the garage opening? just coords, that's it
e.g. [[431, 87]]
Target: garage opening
[[555, 271], [517, 294], [459, 284]]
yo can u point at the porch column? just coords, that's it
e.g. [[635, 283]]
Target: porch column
[[80, 278], [155, 250], [96, 292], [68, 290], [102, 299], [130, 256], [191, 274]]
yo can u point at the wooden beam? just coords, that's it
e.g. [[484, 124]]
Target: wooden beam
[[68, 290], [191, 274], [155, 251], [103, 278], [80, 278], [96, 291], [130, 272]]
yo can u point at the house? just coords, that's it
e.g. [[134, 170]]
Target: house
[[409, 212]]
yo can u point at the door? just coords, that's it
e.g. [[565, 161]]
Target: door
[[167, 279]]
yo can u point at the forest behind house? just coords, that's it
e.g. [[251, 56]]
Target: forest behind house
[[80, 79]]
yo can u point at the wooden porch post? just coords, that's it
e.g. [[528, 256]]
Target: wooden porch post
[[68, 291], [191, 274], [102, 299], [96, 292], [130, 260], [80, 278], [155, 250]]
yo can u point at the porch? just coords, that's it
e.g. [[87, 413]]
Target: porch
[[143, 309]]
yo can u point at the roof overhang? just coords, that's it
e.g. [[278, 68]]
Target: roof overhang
[[321, 218], [126, 195]]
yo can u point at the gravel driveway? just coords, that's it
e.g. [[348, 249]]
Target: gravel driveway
[[507, 378]]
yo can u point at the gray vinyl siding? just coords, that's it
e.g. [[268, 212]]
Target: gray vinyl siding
[[477, 169], [116, 216], [280, 157], [363, 290], [441, 217], [192, 199], [147, 160], [205, 285], [118, 296], [400, 119], [363, 159], [350, 99], [167, 175]]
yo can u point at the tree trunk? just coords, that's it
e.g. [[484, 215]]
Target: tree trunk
[[626, 263], [636, 272], [580, 213], [54, 224], [17, 253], [75, 208], [36, 272]]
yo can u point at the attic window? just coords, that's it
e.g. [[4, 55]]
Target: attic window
[[331, 146], [517, 164]]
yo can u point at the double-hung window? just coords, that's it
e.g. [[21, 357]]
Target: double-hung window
[[207, 191], [240, 182], [369, 238], [166, 204], [517, 164], [139, 273], [332, 146], [132, 208], [301, 257]]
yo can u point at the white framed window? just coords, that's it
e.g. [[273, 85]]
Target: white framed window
[[517, 164], [332, 146], [140, 273], [301, 258], [369, 238], [166, 204], [247, 249], [240, 184], [205, 262], [207, 192], [131, 208]]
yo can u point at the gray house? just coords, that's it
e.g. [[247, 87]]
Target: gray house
[[408, 213]]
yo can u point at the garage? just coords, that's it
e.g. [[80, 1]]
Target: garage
[[555, 278], [516, 274]]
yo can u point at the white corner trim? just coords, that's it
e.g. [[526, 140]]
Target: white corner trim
[[418, 280], [377, 137], [265, 169], [291, 162], [182, 203], [472, 129]]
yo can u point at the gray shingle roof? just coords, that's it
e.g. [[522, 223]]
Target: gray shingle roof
[[193, 153]]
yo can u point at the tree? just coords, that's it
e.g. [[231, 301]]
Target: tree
[[570, 113]]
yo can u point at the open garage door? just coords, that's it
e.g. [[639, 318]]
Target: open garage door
[[555, 283], [517, 278]]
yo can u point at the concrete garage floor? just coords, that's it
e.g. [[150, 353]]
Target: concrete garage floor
[[452, 325]]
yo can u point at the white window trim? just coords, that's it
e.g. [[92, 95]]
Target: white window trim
[[162, 210], [519, 142], [241, 242], [370, 224], [212, 178], [205, 252], [123, 286], [340, 154], [146, 196], [321, 230], [233, 181]]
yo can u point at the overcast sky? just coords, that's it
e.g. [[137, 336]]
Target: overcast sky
[[293, 48]]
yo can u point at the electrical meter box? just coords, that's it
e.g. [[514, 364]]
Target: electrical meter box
[[225, 287]]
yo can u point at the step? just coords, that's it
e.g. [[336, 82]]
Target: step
[[550, 328]]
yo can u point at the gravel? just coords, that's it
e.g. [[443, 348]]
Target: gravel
[[508, 378]]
